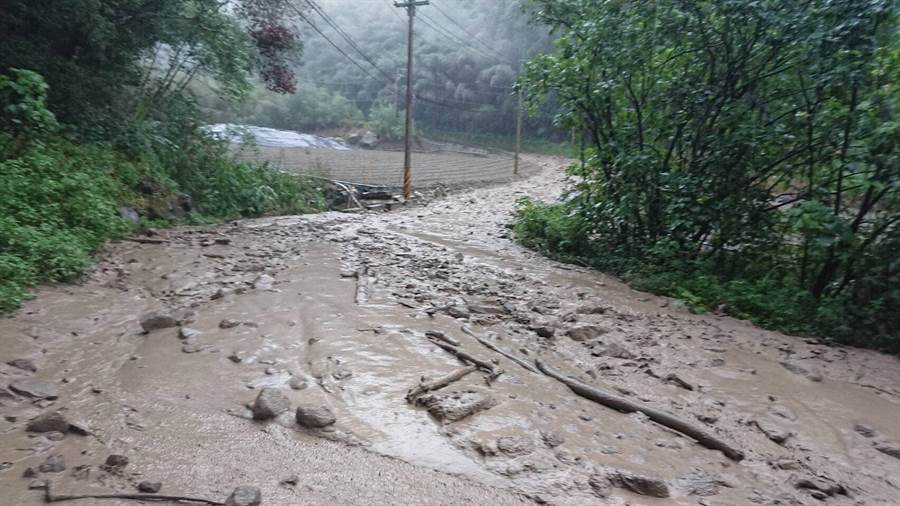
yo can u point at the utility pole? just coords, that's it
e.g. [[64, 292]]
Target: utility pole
[[410, 7], [518, 133]]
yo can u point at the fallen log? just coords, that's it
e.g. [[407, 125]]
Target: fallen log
[[492, 346], [146, 240], [424, 387], [628, 406], [465, 357], [435, 334], [51, 497]]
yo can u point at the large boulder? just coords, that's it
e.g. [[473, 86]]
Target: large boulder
[[244, 496], [315, 417], [270, 403]]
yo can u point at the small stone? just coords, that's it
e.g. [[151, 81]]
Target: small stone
[[35, 389], [53, 464], [149, 487], [116, 461], [29, 473], [244, 496], [37, 485], [192, 348], [270, 403], [552, 439], [236, 357], [229, 323], [889, 448], [315, 416], [156, 321], [653, 487], [264, 282], [772, 430], [26, 364], [811, 374], [600, 485], [864, 430], [297, 383], [544, 331], [48, 422], [585, 332], [55, 436], [188, 333], [221, 293], [290, 481]]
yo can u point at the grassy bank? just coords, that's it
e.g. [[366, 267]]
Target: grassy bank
[[505, 143]]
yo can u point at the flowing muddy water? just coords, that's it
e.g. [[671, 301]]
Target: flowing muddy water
[[275, 304]]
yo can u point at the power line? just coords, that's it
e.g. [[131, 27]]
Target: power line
[[467, 32], [434, 25]]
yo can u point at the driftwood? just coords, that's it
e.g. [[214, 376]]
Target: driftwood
[[628, 406], [434, 334], [51, 497], [490, 345], [424, 387], [465, 357], [146, 240], [362, 286]]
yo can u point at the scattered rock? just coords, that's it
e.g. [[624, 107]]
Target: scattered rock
[[545, 331], [149, 487], [188, 333], [485, 308], [26, 364], [653, 487], [592, 310], [461, 312], [315, 416], [156, 321], [264, 282], [270, 403], [515, 446], [236, 357], [116, 461], [192, 348], [229, 323], [29, 473], [456, 405], [35, 389], [585, 332], [826, 487], [889, 448], [772, 430], [48, 422], [552, 439], [600, 485], [290, 481], [244, 496], [810, 374], [864, 430], [297, 383], [53, 464]]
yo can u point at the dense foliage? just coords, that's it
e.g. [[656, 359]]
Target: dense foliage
[[97, 122], [742, 153]]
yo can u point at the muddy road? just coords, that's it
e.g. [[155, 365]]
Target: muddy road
[[344, 314]]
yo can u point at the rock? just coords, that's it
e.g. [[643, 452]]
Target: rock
[[485, 308], [37, 485], [53, 464], [55, 435], [229, 323], [315, 416], [461, 312], [614, 350], [592, 310], [653, 487], [116, 461], [48, 422], [35, 389], [585, 332], [515, 446], [290, 481], [149, 487], [129, 214], [545, 331], [188, 333], [600, 485], [192, 348], [221, 293], [552, 439], [368, 140], [889, 448], [244, 496], [864, 430], [456, 405], [26, 364], [824, 486], [156, 321], [297, 383], [264, 282], [29, 473], [270, 403], [236, 357], [772, 430]]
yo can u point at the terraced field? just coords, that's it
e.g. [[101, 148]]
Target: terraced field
[[386, 167]]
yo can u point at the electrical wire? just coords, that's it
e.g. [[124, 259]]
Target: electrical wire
[[466, 31]]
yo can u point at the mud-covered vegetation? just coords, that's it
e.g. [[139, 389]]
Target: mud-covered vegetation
[[742, 157], [100, 135]]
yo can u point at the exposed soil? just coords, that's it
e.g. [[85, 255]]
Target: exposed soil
[[346, 312]]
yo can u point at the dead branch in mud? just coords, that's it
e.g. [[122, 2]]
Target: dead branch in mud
[[424, 387], [491, 346], [487, 367], [443, 337], [627, 406], [146, 240], [362, 285], [50, 497]]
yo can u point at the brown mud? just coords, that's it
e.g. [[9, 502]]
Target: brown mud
[[817, 424]]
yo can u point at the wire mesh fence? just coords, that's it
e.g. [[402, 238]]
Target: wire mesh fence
[[385, 168]]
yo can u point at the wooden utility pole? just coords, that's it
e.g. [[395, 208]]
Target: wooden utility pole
[[518, 133], [410, 7]]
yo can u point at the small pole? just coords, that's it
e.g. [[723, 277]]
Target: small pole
[[407, 154], [518, 133]]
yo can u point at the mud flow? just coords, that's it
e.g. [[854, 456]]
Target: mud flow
[[391, 359]]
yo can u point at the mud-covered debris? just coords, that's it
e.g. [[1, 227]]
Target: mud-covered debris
[[53, 464], [891, 448], [229, 323], [264, 282], [700, 483], [552, 439], [156, 321], [677, 380], [25, 364], [29, 472], [586, 332], [515, 446], [193, 348], [644, 485], [115, 461], [864, 430], [290, 481], [614, 350], [592, 310], [149, 487], [297, 383], [35, 389], [456, 405], [809, 373], [460, 312], [37, 485], [315, 417], [53, 421], [772, 430], [244, 496], [545, 331], [221, 293], [600, 485], [270, 403], [486, 307], [188, 333], [820, 487]]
